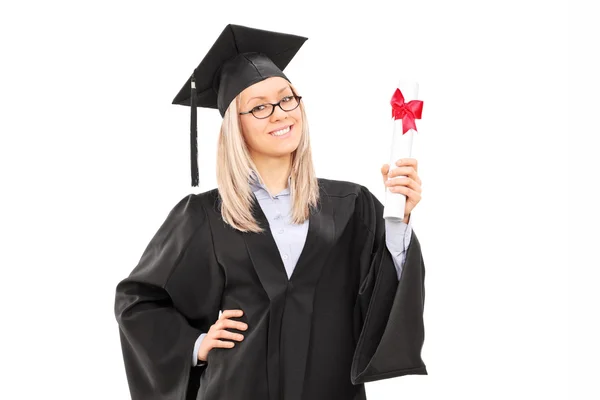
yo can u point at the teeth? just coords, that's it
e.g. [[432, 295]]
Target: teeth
[[281, 132]]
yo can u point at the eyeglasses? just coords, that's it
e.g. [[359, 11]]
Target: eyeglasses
[[263, 111]]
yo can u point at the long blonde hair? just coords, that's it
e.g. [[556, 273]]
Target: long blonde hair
[[233, 171]]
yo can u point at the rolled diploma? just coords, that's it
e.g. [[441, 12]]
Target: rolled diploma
[[395, 203]]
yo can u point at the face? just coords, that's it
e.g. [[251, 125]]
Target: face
[[259, 133]]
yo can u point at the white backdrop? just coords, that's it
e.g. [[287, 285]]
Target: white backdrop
[[94, 157]]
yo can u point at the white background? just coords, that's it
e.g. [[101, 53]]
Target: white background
[[94, 156]]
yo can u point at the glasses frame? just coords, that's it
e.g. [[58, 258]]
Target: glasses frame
[[273, 109]]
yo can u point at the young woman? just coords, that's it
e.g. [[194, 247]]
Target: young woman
[[317, 292]]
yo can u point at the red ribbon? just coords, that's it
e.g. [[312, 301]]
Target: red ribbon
[[407, 111]]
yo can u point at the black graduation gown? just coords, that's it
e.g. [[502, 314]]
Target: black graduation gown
[[341, 319]]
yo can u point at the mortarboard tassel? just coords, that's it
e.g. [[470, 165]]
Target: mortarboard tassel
[[194, 135]]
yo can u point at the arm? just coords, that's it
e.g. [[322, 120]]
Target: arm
[[388, 311], [166, 303], [398, 235]]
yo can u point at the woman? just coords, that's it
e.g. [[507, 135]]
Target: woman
[[318, 292]]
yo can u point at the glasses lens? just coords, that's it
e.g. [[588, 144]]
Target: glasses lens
[[262, 111], [289, 103]]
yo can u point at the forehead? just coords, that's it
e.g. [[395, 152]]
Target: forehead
[[267, 87]]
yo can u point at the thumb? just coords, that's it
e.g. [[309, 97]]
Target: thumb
[[385, 169]]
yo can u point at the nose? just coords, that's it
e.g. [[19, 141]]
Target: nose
[[278, 114]]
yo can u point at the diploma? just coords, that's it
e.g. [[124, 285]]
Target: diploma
[[405, 109]]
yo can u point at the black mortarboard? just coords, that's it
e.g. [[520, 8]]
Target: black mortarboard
[[239, 58]]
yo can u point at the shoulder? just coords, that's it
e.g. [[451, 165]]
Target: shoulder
[[341, 189], [358, 200], [328, 187], [332, 189], [189, 212], [199, 202], [188, 206], [338, 188]]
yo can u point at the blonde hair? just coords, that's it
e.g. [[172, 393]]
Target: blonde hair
[[233, 171]]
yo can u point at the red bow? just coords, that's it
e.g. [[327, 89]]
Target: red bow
[[407, 111]]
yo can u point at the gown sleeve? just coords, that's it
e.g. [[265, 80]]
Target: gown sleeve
[[167, 301], [388, 311]]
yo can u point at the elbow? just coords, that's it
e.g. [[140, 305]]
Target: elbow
[[133, 298]]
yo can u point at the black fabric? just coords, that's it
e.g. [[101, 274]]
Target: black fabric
[[240, 57], [342, 319]]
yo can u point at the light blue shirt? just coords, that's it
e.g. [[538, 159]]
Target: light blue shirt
[[290, 237]]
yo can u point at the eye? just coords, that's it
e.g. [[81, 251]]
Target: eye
[[259, 108], [287, 98]]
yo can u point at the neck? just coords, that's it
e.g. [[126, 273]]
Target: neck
[[274, 172]]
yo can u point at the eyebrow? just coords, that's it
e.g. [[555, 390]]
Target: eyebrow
[[262, 97]]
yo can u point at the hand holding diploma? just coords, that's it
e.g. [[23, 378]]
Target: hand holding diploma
[[402, 180]]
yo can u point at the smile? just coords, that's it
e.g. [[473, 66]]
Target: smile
[[282, 132]]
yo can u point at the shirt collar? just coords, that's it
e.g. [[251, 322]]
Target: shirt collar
[[261, 190]]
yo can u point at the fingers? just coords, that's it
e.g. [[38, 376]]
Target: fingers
[[224, 334], [219, 337], [408, 192], [402, 181], [404, 171], [231, 314], [222, 344], [229, 323], [219, 331], [410, 162], [403, 166]]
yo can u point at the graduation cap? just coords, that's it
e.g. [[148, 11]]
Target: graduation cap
[[240, 57]]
